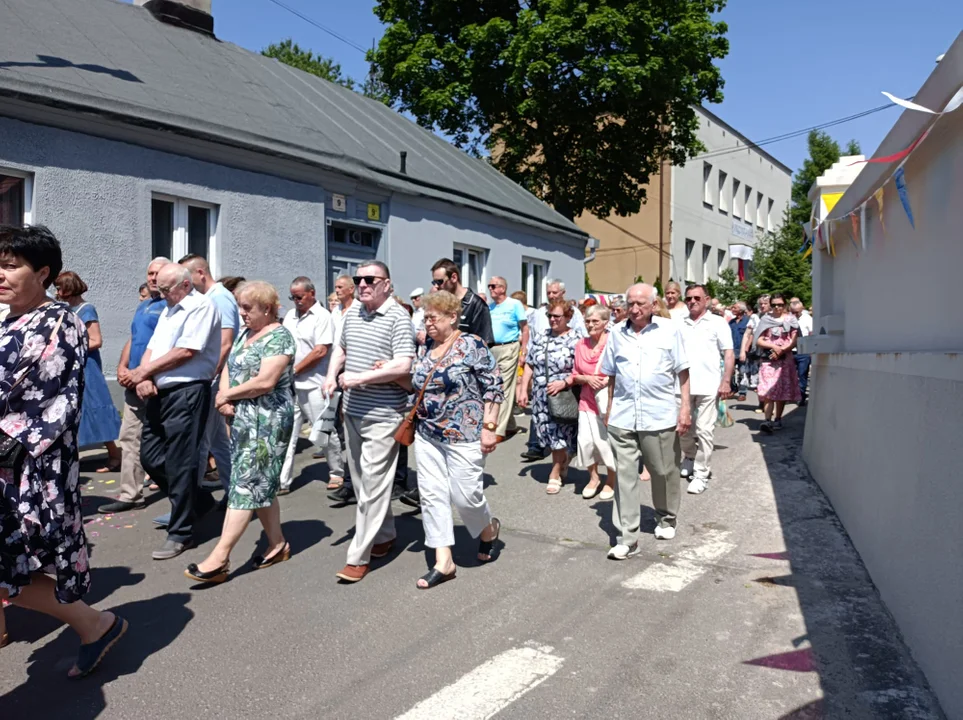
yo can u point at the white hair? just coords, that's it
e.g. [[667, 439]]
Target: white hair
[[159, 260], [555, 281], [652, 298], [182, 273]]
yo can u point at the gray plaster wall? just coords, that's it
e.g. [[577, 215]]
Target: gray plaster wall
[[422, 231], [95, 195]]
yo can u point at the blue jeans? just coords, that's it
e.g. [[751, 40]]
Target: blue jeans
[[802, 369]]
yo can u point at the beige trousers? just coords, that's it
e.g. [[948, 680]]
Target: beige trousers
[[507, 358], [131, 429]]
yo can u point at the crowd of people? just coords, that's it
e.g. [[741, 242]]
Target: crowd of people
[[214, 371]]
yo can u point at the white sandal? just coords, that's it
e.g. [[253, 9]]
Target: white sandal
[[554, 486]]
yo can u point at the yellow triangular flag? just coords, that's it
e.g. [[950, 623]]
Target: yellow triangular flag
[[831, 199], [879, 205]]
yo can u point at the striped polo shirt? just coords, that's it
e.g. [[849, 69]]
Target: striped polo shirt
[[367, 337]]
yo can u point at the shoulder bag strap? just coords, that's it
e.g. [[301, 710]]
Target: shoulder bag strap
[[431, 374]]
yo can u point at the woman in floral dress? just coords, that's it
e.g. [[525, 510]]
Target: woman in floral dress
[[775, 337], [43, 347], [257, 394], [558, 345]]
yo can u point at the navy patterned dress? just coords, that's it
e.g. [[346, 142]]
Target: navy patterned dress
[[41, 384], [453, 408], [561, 360]]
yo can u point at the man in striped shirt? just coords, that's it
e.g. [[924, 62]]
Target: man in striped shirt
[[374, 330]]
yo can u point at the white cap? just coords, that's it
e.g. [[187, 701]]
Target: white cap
[[417, 292]]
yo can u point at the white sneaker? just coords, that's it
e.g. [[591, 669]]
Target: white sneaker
[[697, 486], [687, 464], [622, 552], [664, 532]]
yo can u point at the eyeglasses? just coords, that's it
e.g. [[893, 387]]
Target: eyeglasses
[[163, 290], [778, 304], [556, 316], [693, 299], [367, 279], [492, 286], [434, 319], [297, 298], [437, 283]]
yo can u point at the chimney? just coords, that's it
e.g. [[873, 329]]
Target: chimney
[[189, 14]]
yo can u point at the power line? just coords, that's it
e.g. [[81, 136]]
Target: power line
[[319, 26]]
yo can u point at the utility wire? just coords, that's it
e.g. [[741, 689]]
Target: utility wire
[[321, 27]]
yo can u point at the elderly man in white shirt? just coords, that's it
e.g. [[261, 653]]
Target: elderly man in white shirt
[[174, 379], [555, 290], [645, 358], [708, 345], [313, 331]]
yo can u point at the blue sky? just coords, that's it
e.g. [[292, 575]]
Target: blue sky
[[791, 64]]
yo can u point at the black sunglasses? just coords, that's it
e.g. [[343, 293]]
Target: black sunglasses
[[368, 279], [437, 283], [692, 299]]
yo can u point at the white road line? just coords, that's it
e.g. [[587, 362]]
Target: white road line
[[490, 687], [686, 567]]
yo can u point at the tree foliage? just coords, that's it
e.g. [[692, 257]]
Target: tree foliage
[[823, 152], [577, 101], [290, 53]]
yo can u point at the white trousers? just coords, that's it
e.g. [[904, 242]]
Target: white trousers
[[372, 457], [451, 475], [698, 442], [307, 404]]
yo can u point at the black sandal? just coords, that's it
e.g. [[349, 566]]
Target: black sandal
[[260, 562], [90, 655], [434, 577], [214, 576], [485, 546]]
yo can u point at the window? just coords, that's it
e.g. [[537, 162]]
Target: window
[[769, 216], [759, 217], [689, 247], [748, 205], [534, 273], [179, 227], [706, 252], [16, 198], [721, 255], [471, 265], [735, 199], [352, 237], [723, 202], [706, 189]]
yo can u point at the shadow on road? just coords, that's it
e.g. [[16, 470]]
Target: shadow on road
[[864, 667]]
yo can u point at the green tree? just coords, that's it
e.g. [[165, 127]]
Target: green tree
[[823, 152], [729, 288], [575, 101], [588, 283], [290, 53]]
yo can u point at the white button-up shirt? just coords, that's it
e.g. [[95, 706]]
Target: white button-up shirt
[[645, 365], [195, 324], [706, 339], [314, 328], [540, 323]]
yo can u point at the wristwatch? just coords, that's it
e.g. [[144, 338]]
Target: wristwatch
[[490, 426]]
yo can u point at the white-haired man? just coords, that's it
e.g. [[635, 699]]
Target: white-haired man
[[644, 358], [555, 290]]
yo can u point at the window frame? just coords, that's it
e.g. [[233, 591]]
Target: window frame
[[706, 256], [736, 187], [747, 207], [180, 244], [528, 282], [723, 182], [707, 184], [759, 198], [28, 188], [689, 249], [769, 215], [464, 271]]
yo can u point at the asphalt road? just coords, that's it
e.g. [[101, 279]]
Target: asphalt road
[[760, 608]]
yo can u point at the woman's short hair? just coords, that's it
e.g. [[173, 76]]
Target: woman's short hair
[[38, 247], [661, 309], [333, 298], [261, 293], [521, 296], [599, 311], [442, 301], [230, 282], [69, 284], [564, 305]]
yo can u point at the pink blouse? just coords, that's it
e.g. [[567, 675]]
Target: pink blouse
[[587, 363]]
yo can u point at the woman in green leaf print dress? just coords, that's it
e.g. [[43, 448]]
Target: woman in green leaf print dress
[[257, 396]]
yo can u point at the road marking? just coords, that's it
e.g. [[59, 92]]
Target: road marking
[[490, 687], [686, 567]]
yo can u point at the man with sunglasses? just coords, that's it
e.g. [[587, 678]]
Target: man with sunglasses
[[376, 331], [475, 317], [708, 345], [510, 328]]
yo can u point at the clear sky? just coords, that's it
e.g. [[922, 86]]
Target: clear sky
[[791, 64]]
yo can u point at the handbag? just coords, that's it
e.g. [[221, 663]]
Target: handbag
[[12, 451], [324, 425], [563, 407], [405, 434]]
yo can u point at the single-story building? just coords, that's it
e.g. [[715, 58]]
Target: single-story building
[[134, 132]]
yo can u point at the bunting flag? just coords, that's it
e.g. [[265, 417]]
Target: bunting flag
[[862, 225], [808, 252], [895, 157], [855, 222], [900, 179], [952, 105], [832, 245], [831, 199], [879, 206]]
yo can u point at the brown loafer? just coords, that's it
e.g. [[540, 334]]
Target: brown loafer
[[380, 550], [499, 439], [352, 573]]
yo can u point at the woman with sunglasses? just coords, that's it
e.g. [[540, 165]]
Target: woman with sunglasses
[[548, 371], [775, 337]]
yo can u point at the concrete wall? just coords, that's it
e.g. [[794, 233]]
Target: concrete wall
[[629, 246], [95, 195], [421, 231], [884, 431], [713, 223]]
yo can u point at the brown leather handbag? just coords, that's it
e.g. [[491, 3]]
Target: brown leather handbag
[[405, 434]]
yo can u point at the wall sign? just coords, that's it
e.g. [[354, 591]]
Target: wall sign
[[742, 231], [339, 203], [374, 211]]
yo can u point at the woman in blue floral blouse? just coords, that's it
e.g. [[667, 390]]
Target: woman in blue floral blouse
[[455, 430], [44, 563]]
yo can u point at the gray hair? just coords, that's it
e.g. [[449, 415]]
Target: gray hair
[[617, 302], [303, 282], [555, 281], [180, 273], [600, 310], [159, 260], [345, 276], [378, 264], [654, 296], [742, 306]]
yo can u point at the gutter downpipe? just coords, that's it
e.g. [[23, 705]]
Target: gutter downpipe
[[593, 246]]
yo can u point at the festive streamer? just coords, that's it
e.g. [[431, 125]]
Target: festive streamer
[[900, 179], [895, 156], [862, 225], [952, 105], [879, 205]]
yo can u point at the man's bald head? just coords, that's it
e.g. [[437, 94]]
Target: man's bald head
[[174, 283], [640, 299]]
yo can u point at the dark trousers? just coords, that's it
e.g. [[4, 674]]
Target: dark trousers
[[802, 369], [170, 444]]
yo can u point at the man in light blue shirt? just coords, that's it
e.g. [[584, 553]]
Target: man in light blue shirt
[[644, 358], [510, 330]]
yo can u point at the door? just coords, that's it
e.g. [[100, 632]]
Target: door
[[348, 249]]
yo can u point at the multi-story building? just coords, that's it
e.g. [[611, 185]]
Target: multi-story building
[[710, 211]]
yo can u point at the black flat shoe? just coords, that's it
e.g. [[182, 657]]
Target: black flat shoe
[[433, 578], [260, 562], [485, 546], [214, 576], [91, 654]]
